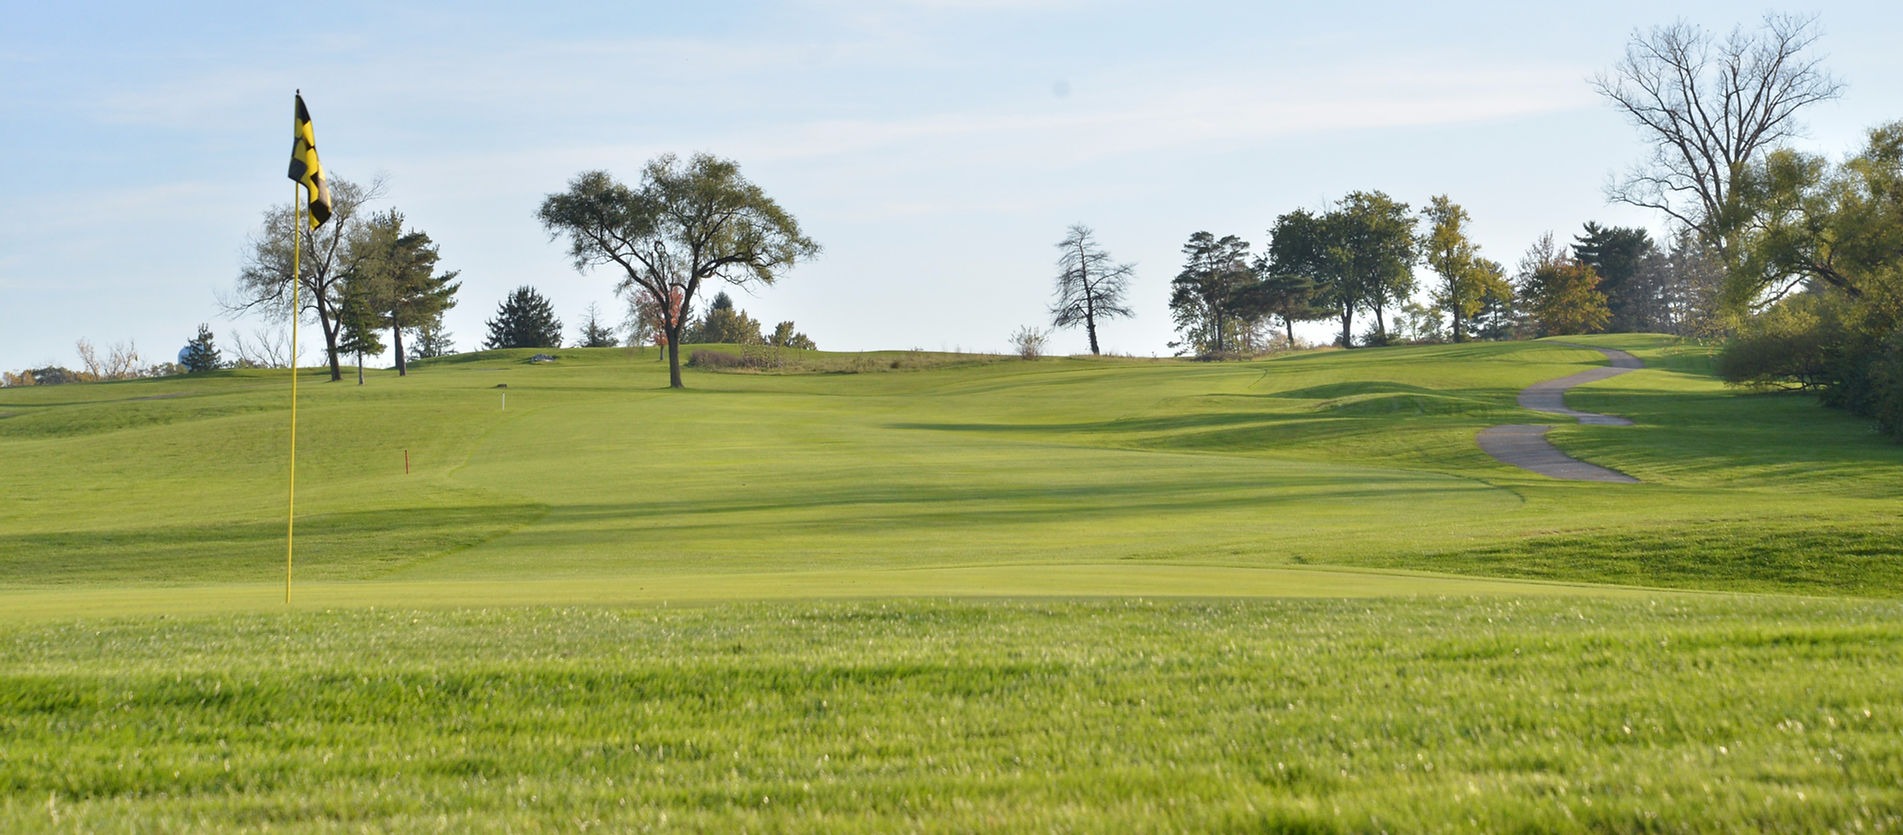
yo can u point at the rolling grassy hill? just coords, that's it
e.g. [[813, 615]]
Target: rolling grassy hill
[[948, 592], [590, 473]]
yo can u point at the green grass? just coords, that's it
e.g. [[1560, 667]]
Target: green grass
[[1416, 714], [593, 470], [941, 591]]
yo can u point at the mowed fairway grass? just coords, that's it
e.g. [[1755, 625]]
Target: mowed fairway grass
[[924, 591]]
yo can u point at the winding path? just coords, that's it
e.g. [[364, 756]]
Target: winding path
[[1525, 446]]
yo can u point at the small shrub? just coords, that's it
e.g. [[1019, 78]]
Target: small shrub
[[1028, 342]]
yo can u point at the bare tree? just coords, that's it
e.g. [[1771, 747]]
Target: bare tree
[[1090, 286], [122, 361], [267, 348], [1708, 107]]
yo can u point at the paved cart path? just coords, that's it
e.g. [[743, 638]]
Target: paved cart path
[[1525, 445]]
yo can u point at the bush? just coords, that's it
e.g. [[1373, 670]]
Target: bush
[[1028, 342], [715, 359], [1788, 346]]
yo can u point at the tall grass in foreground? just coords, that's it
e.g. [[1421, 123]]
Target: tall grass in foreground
[[1679, 713]]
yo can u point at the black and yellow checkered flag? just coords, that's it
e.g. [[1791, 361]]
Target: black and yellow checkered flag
[[305, 169]]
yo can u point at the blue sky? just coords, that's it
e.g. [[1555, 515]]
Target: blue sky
[[937, 149]]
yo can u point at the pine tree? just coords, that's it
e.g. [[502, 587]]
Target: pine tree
[[594, 334], [399, 268], [431, 340], [200, 354], [726, 324], [524, 320], [358, 322]]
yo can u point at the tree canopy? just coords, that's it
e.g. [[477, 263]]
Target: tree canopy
[[1466, 279], [397, 268], [1211, 300], [687, 222]]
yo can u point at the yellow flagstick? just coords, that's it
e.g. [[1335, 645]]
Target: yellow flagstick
[[290, 527], [307, 172]]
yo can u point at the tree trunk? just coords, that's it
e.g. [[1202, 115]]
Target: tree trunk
[[1380, 327], [360, 368], [1459, 335], [674, 357], [1289, 325], [1347, 327], [396, 337], [330, 346]]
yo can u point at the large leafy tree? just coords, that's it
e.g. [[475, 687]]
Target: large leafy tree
[[1212, 299], [1090, 284], [1295, 269], [687, 222], [1560, 295], [1466, 279], [1833, 226], [1371, 241], [1709, 108], [524, 320], [1827, 245], [326, 261]]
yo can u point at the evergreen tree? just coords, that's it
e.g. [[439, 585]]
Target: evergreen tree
[[200, 354], [524, 320], [1214, 300], [594, 334], [1618, 255], [399, 269], [726, 324], [431, 340], [1497, 317], [359, 323]]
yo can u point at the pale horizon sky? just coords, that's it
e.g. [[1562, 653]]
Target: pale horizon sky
[[937, 149]]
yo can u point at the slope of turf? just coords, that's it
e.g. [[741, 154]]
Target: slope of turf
[[584, 469], [496, 639]]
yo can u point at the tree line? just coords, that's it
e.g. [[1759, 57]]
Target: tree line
[[1362, 259]]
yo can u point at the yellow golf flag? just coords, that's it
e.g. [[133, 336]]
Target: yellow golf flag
[[305, 169]]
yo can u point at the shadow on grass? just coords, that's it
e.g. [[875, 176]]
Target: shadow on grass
[[330, 546], [1803, 556]]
